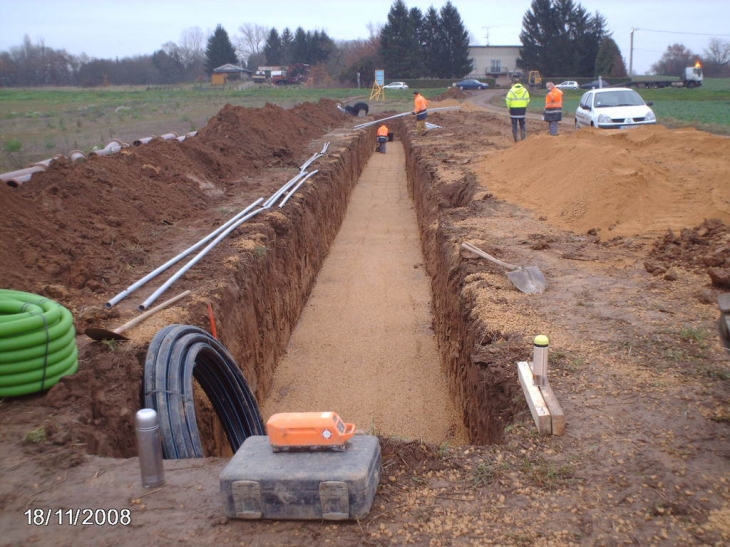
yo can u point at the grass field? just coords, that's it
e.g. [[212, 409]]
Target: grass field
[[36, 124]]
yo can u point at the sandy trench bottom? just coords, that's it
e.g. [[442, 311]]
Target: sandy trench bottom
[[364, 346]]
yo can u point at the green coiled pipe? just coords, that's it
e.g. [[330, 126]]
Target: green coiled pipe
[[37, 343]]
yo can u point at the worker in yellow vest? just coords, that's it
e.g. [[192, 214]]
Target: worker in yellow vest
[[517, 100]]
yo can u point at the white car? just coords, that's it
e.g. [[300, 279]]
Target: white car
[[396, 85], [613, 108], [568, 85]]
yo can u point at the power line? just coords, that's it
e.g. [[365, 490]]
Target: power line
[[678, 32]]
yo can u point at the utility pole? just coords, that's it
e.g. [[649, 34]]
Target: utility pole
[[631, 54]]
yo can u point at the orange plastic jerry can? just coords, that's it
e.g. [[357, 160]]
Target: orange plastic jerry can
[[308, 431]]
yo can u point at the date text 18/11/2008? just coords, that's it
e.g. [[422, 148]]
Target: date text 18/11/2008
[[78, 517]]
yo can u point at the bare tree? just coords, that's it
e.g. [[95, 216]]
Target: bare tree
[[192, 46], [717, 57], [251, 41]]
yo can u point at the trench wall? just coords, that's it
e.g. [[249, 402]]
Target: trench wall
[[263, 297], [483, 384]]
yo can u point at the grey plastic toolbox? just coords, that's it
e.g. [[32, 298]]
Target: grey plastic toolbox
[[259, 483]]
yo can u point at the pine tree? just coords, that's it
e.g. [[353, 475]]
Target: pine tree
[[219, 51], [273, 49], [400, 49], [454, 43], [432, 44], [287, 39], [560, 38]]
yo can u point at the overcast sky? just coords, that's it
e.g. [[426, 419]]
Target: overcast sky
[[124, 28]]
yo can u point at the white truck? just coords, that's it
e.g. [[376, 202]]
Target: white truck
[[692, 77]]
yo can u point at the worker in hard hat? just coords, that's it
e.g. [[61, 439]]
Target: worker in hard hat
[[382, 138], [517, 100], [420, 110]]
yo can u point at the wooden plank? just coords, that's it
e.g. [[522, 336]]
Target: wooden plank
[[557, 416], [535, 401]]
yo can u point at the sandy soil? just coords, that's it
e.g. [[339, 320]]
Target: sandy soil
[[629, 228], [365, 334]]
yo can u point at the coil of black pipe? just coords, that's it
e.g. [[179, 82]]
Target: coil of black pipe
[[177, 355]]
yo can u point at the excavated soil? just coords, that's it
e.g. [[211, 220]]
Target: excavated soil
[[629, 228]]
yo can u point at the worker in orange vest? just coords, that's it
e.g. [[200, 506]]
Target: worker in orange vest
[[553, 107], [382, 138], [420, 110]]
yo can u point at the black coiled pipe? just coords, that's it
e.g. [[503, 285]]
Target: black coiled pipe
[[179, 353]]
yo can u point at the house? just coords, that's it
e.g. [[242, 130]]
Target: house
[[498, 62], [224, 73]]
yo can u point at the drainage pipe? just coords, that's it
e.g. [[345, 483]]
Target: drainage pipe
[[22, 172], [19, 180], [37, 343], [169, 136], [115, 145], [197, 258], [364, 125], [76, 155], [144, 140], [129, 290], [291, 192]]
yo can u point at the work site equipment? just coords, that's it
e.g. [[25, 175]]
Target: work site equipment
[[99, 334], [528, 279], [179, 354], [259, 483], [308, 431]]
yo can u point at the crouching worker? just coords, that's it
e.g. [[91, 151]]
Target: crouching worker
[[382, 138]]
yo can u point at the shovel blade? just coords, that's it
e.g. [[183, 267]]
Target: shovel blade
[[528, 279]]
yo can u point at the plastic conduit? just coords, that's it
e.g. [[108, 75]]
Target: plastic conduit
[[177, 355], [37, 343]]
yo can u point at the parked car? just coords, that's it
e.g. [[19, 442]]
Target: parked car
[[470, 84], [613, 108], [396, 85], [569, 84], [595, 84]]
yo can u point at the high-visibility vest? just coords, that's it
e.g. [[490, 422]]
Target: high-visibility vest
[[517, 97], [554, 99], [420, 103], [382, 131]]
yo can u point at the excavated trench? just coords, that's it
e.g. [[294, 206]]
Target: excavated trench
[[259, 305]]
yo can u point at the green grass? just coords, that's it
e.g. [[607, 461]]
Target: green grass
[[38, 123]]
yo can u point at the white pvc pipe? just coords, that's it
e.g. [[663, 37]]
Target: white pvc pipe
[[129, 290], [195, 260], [291, 192], [276, 195], [363, 125]]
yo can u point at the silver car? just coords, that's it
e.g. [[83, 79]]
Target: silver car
[[613, 108]]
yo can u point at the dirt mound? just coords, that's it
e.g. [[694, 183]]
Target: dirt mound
[[704, 248], [451, 93], [74, 225], [618, 184], [80, 233]]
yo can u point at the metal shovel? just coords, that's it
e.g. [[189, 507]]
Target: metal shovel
[[528, 279], [99, 334]]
